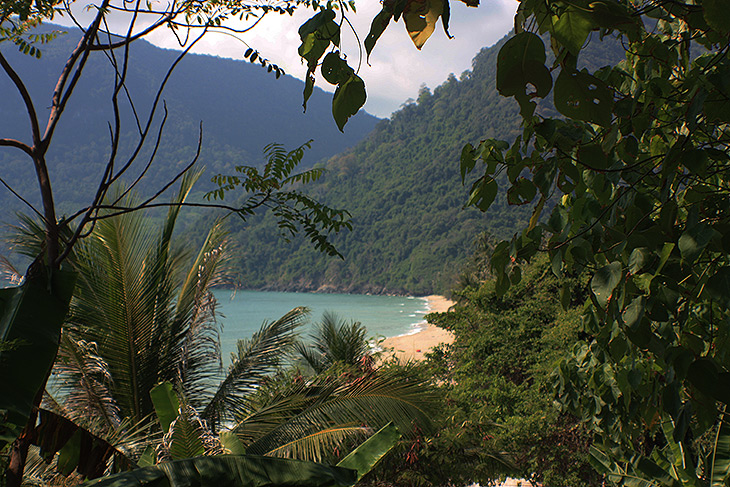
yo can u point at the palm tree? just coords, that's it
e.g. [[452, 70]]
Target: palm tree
[[143, 313], [334, 341]]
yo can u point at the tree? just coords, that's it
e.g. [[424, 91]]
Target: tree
[[629, 184], [143, 312], [334, 341]]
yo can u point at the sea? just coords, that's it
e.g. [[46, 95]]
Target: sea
[[243, 313]]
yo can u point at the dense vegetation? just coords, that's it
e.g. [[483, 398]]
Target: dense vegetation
[[640, 160], [410, 231]]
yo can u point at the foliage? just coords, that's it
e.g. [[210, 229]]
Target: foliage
[[410, 232], [498, 417], [334, 341], [24, 323], [291, 208], [264, 471], [637, 169], [230, 470]]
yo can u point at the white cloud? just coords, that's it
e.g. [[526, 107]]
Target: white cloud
[[397, 69]]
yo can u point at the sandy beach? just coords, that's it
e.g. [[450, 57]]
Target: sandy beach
[[415, 346]]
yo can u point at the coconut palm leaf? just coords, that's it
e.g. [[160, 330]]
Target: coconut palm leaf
[[372, 401], [200, 362], [334, 341], [256, 358], [319, 445], [84, 382], [148, 309], [233, 470]]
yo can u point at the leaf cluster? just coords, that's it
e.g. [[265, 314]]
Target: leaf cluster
[[637, 165], [292, 209]]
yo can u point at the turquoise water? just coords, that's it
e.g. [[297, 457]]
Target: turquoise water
[[244, 312]]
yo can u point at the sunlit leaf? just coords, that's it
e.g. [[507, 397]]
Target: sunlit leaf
[[420, 18], [572, 29], [364, 457]]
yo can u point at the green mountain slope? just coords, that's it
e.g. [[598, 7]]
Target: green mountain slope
[[241, 106], [403, 188]]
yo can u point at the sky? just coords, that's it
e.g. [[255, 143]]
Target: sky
[[397, 69]]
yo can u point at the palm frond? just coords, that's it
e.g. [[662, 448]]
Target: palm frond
[[84, 381], [373, 400], [117, 305], [335, 341], [200, 362], [257, 357], [267, 411], [320, 444]]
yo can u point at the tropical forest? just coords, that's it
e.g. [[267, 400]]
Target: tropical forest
[[560, 211]]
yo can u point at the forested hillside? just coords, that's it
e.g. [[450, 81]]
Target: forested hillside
[[242, 108], [403, 188]]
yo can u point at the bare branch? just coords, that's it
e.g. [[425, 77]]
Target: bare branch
[[61, 94], [17, 195], [20, 86], [18, 145]]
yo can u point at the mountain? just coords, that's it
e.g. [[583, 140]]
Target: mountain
[[403, 187], [241, 106]]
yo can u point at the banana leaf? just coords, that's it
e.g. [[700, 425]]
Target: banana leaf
[[364, 457], [31, 316], [233, 470], [79, 449]]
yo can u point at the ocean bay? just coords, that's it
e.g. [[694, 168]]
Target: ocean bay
[[243, 312]]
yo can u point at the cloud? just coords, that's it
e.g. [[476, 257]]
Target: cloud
[[397, 69]]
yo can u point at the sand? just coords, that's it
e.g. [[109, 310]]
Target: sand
[[415, 346]]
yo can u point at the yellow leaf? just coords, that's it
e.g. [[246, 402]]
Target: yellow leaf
[[420, 18]]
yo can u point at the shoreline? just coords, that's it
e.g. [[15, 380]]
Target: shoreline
[[414, 346]]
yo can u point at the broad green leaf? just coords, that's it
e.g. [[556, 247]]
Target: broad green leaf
[[421, 18], [523, 191], [312, 48], [315, 23], [335, 69], [582, 96], [637, 259], [308, 90], [521, 67], [31, 316], [717, 15], [468, 161], [572, 28], [483, 192], [233, 470], [378, 26], [634, 312], [166, 404], [718, 286], [694, 240], [148, 457], [363, 458], [605, 281], [68, 456], [349, 97]]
